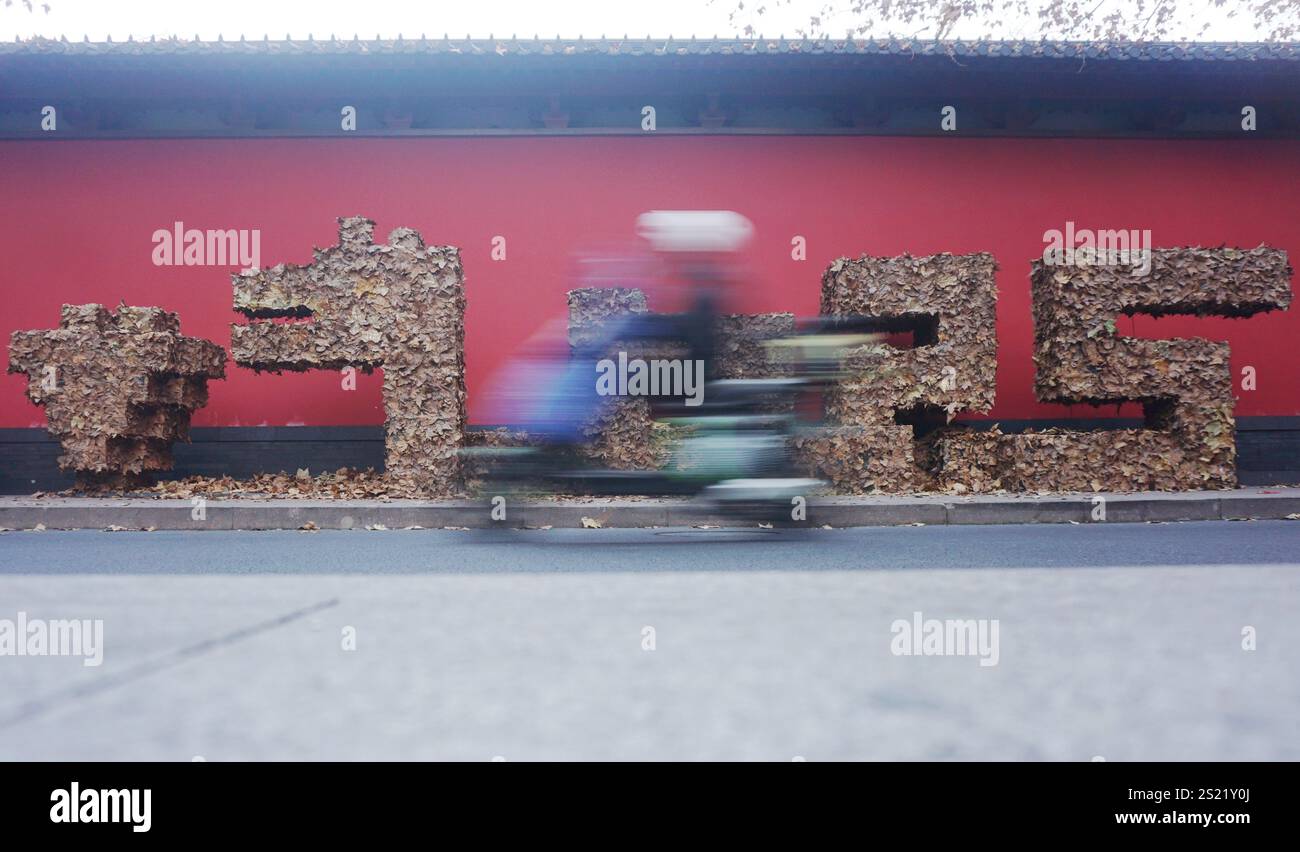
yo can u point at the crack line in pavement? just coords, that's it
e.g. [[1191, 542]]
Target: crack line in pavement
[[38, 706]]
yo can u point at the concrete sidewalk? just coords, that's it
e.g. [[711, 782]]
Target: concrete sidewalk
[[25, 513]]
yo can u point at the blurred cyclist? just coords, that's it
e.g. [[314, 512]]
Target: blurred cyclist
[[550, 392]]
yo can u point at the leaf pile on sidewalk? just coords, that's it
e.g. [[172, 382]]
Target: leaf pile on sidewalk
[[342, 484]]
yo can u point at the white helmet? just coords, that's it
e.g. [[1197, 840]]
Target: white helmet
[[694, 230]]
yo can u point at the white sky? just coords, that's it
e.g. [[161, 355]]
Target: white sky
[[502, 18]]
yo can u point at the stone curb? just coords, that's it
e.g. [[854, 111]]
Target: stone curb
[[22, 513]]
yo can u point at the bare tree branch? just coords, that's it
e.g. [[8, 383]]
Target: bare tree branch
[[1073, 20]]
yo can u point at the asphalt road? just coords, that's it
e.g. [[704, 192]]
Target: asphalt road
[[1120, 641]]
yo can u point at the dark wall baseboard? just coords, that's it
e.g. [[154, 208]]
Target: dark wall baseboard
[[1268, 450], [29, 457]]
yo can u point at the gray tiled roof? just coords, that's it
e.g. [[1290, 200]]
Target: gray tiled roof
[[665, 46]]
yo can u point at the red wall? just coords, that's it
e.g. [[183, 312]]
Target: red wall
[[77, 219]]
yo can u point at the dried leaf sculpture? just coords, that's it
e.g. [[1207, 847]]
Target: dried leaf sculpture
[[118, 388], [741, 353], [621, 437], [949, 304], [400, 306], [1185, 385], [592, 308]]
